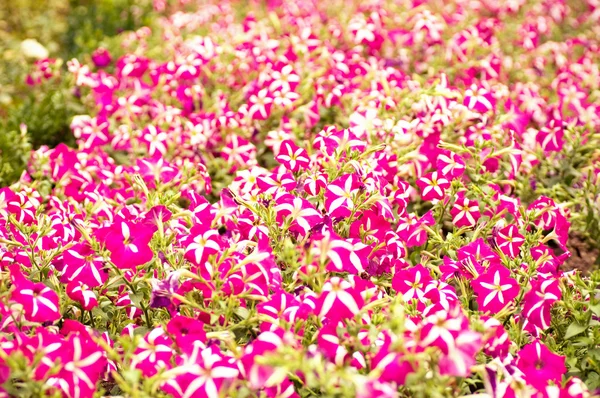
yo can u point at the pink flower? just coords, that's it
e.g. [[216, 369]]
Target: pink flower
[[462, 355], [298, 213], [82, 264], [391, 361], [464, 212], [350, 255], [538, 301], [551, 136], [81, 293], [509, 240], [451, 165], [433, 186], [496, 340], [201, 243], [341, 194], [292, 157], [101, 57], [153, 353], [411, 282], [339, 300], [540, 365], [411, 228], [272, 183], [185, 331], [479, 99], [83, 362], [480, 253], [128, 243], [495, 289], [204, 372], [260, 105], [40, 303]]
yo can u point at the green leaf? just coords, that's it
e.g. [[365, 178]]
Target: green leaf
[[242, 312], [574, 329], [595, 309], [97, 312], [136, 299]]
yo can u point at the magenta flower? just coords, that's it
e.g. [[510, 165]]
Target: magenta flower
[[496, 340], [204, 372], [81, 293], [465, 212], [350, 255], [128, 243], [260, 104], [480, 254], [391, 362], [201, 243], [101, 57], [83, 362], [153, 353], [272, 183], [185, 331], [298, 213], [341, 194], [411, 282], [509, 240], [495, 289], [462, 354], [40, 302], [540, 365], [338, 300], [292, 157], [551, 136], [479, 99], [538, 302], [433, 186], [451, 165], [411, 229], [82, 264]]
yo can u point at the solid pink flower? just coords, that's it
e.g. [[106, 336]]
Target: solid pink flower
[[185, 331], [540, 365], [128, 243]]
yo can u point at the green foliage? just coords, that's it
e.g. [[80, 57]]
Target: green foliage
[[67, 29], [14, 152], [90, 21]]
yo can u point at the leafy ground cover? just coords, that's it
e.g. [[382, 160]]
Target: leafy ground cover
[[370, 199]]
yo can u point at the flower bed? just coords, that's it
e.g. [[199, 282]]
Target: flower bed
[[368, 199]]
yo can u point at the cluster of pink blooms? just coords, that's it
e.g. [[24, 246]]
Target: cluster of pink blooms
[[305, 199]]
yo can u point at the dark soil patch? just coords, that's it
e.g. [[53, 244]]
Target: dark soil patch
[[583, 256]]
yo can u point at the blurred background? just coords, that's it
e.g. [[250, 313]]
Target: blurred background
[[38, 37]]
